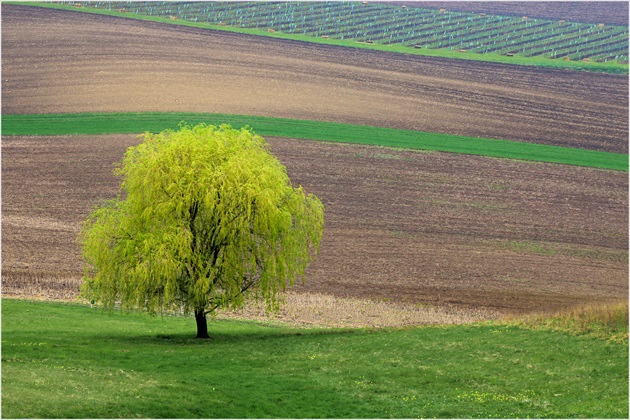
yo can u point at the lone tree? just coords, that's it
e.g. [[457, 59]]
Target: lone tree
[[206, 216]]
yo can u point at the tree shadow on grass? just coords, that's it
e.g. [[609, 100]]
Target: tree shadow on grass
[[222, 336]]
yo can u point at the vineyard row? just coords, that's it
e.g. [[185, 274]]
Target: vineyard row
[[394, 24]]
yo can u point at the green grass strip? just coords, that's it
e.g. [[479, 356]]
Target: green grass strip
[[117, 123], [538, 61], [71, 361]]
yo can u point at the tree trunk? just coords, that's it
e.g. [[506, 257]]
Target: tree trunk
[[202, 324]]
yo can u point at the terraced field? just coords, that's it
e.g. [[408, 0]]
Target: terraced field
[[472, 233]]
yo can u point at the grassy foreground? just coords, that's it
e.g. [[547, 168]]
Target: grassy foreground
[[111, 123], [63, 360]]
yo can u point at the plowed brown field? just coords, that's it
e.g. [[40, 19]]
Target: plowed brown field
[[430, 228], [417, 227], [54, 61]]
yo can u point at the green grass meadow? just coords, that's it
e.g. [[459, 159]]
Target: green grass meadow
[[70, 360], [111, 123]]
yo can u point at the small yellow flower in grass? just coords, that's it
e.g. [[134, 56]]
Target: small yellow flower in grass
[[484, 397]]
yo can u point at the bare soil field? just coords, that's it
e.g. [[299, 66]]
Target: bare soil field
[[409, 231], [609, 12], [473, 233], [59, 61]]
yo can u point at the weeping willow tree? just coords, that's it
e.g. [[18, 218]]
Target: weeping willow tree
[[206, 217]]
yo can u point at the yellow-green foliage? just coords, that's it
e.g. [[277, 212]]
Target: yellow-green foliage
[[206, 215]]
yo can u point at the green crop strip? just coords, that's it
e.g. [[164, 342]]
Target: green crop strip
[[117, 123], [465, 49]]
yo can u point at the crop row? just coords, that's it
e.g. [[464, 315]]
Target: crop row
[[394, 24]]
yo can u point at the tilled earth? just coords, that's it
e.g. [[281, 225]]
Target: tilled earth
[[431, 228], [56, 61], [409, 227]]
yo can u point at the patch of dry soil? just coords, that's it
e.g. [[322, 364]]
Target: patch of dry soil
[[410, 228], [64, 61]]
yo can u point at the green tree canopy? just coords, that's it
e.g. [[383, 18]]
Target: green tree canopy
[[206, 216]]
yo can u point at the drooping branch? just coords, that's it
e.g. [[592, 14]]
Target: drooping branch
[[207, 254], [246, 286]]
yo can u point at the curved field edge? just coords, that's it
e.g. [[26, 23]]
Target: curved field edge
[[78, 361], [127, 123], [610, 67]]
